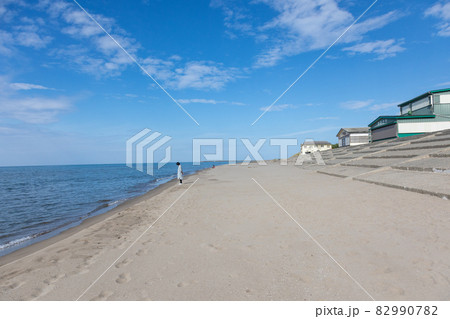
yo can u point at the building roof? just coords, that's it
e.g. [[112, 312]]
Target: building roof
[[354, 130], [398, 117], [423, 95], [310, 142]]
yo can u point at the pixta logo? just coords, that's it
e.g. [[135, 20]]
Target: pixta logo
[[142, 147], [141, 150]]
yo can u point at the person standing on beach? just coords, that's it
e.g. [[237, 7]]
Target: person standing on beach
[[180, 173]]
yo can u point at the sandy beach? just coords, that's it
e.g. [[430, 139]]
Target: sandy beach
[[247, 233]]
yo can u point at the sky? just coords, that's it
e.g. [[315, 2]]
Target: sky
[[71, 94]]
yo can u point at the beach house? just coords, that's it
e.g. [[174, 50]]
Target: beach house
[[311, 146], [353, 136], [429, 112]]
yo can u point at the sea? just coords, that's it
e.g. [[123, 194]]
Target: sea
[[38, 202]]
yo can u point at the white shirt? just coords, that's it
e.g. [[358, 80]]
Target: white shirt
[[179, 173]]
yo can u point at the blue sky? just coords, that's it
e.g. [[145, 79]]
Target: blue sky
[[70, 95]]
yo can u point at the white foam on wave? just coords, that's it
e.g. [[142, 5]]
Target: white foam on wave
[[15, 242], [116, 202]]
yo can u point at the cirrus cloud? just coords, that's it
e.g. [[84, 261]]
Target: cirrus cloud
[[442, 12], [382, 49], [33, 109], [193, 74], [369, 104]]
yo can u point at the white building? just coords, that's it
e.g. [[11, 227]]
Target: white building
[[353, 136], [311, 146]]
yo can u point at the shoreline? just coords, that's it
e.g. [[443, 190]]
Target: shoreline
[[222, 237], [90, 221]]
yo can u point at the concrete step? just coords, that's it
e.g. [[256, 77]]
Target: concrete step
[[420, 182], [441, 154], [410, 152], [390, 155], [442, 133], [344, 171], [312, 167], [335, 161], [433, 139], [347, 157], [415, 137], [365, 152], [377, 162], [428, 145], [361, 165], [431, 164]]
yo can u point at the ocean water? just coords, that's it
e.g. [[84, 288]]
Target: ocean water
[[38, 202]]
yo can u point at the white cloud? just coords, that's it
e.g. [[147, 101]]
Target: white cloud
[[369, 104], [36, 110], [202, 101], [446, 84], [161, 69], [318, 130], [96, 53], [103, 57], [28, 34], [6, 40], [202, 75], [7, 14], [25, 31], [8, 130], [32, 39], [442, 12], [28, 86], [304, 25], [385, 106], [193, 74], [355, 105], [278, 107], [207, 101], [30, 109], [383, 49], [236, 20], [324, 118]]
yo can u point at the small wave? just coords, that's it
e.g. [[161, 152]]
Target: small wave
[[15, 242], [103, 201], [116, 202], [168, 178], [98, 208]]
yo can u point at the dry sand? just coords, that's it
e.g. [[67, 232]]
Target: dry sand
[[226, 239]]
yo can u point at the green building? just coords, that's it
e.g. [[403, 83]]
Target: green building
[[429, 112]]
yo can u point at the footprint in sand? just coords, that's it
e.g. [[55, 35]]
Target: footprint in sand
[[56, 260], [182, 284], [104, 295], [120, 246], [53, 279], [211, 247], [13, 285], [87, 261], [141, 252], [123, 263], [48, 287], [123, 278], [147, 242], [39, 259]]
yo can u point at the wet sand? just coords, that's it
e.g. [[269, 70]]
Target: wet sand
[[247, 233]]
